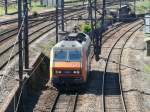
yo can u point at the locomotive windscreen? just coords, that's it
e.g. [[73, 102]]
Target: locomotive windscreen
[[74, 55], [67, 55], [60, 55]]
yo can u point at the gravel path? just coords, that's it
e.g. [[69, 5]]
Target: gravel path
[[137, 87]]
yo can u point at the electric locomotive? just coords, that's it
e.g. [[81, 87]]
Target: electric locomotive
[[70, 60]]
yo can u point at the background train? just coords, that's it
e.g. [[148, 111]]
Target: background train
[[125, 14], [70, 60]]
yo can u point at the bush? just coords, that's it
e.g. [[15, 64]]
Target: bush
[[85, 27]]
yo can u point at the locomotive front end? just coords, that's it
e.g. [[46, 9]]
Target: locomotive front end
[[67, 66]]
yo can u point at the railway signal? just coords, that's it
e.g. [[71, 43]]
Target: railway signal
[[23, 46]]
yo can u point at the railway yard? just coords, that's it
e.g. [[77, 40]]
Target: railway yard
[[118, 81]]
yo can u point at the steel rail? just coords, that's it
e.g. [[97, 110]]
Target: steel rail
[[71, 105], [55, 102], [15, 31], [12, 21], [36, 31], [119, 66], [10, 33], [53, 11], [114, 28], [47, 26], [117, 28], [106, 65]]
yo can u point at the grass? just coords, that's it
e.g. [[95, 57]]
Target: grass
[[145, 3], [36, 6], [147, 68], [142, 6], [13, 8], [1, 11]]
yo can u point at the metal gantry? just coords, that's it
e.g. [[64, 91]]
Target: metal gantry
[[6, 5], [91, 17], [56, 21], [25, 35], [23, 47], [20, 45], [62, 15]]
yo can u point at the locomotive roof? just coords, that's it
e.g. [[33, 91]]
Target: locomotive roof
[[73, 34], [68, 44], [80, 37]]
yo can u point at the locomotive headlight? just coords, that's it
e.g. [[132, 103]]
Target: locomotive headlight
[[58, 71], [74, 72], [78, 72]]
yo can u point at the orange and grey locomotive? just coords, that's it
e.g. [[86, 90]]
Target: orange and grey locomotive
[[70, 59]]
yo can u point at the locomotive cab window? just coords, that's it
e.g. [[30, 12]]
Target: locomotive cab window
[[74, 55], [60, 55]]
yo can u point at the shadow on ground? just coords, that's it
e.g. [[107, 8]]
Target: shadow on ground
[[95, 82], [93, 86], [35, 86]]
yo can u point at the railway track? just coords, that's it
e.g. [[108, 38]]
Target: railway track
[[65, 102], [119, 65], [34, 35], [68, 6], [112, 93], [48, 28], [62, 101], [73, 101], [13, 32], [43, 14]]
